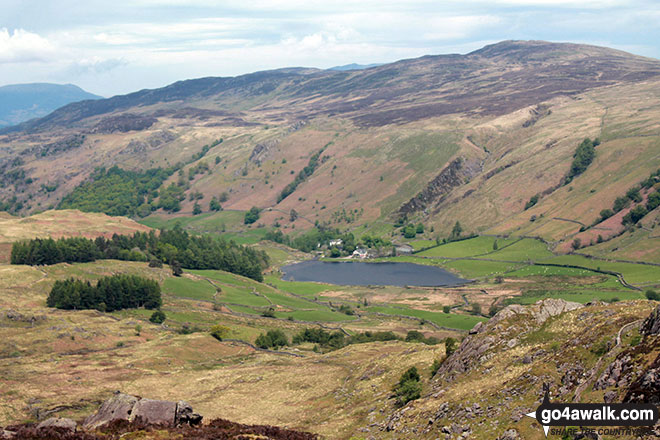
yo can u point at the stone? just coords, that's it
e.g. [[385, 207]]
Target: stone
[[119, 407], [651, 325], [58, 422], [185, 415], [510, 434], [157, 412], [6, 435]]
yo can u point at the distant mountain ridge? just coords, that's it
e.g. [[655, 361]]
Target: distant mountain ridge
[[355, 66], [22, 102]]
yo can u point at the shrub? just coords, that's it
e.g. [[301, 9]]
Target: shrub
[[176, 268], [155, 262], [271, 339], [270, 313], [652, 295], [435, 367], [346, 310], [446, 309], [219, 331], [409, 387], [576, 244], [252, 215], [158, 317], [450, 346]]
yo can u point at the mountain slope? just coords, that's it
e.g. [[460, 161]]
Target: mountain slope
[[438, 139], [21, 102]]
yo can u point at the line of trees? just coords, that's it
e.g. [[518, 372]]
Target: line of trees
[[175, 247], [312, 165], [109, 294]]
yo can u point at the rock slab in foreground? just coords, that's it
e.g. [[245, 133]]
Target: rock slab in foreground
[[130, 408]]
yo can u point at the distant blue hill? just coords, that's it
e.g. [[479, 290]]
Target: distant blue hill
[[22, 102], [354, 66]]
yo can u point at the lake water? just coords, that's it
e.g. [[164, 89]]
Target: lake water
[[374, 274]]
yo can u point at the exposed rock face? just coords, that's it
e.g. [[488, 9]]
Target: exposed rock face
[[616, 374], [158, 412], [58, 422], [646, 389], [454, 175], [651, 325], [473, 349]]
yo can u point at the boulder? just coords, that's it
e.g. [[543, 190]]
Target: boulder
[[157, 412], [58, 422], [185, 415], [118, 407], [6, 435], [651, 325], [510, 434]]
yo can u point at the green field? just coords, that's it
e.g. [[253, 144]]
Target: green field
[[467, 248], [307, 289], [633, 273], [523, 250], [450, 320], [187, 288], [479, 268]]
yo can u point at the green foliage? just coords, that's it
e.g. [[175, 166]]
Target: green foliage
[[419, 228], [582, 158], [176, 268], [456, 232], [337, 339], [600, 348], [415, 336], [409, 231], [653, 201], [409, 387], [576, 244], [155, 262], [171, 246], [446, 309], [450, 346], [306, 172], [634, 215], [605, 214], [219, 331], [158, 317], [252, 215], [652, 295], [110, 293], [533, 201], [116, 191], [272, 339], [197, 209], [435, 367], [215, 205]]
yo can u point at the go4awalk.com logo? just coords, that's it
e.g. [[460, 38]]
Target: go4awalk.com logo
[[626, 415]]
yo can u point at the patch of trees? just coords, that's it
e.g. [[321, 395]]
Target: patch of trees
[[584, 155], [306, 172], [336, 340], [252, 215], [320, 236], [175, 247], [633, 195], [408, 388], [532, 201], [118, 192], [109, 294], [272, 339]]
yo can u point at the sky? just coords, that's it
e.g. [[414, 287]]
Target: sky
[[120, 46]]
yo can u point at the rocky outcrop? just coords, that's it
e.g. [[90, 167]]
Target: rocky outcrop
[[124, 123], [646, 389], [651, 325], [616, 374], [510, 434], [475, 347], [130, 408], [454, 175]]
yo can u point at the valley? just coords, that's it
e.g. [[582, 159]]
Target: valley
[[528, 170]]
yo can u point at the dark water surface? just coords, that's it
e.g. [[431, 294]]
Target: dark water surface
[[365, 274]]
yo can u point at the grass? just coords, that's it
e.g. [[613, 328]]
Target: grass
[[633, 273], [467, 248], [298, 287], [450, 320], [523, 250], [478, 268], [186, 288]]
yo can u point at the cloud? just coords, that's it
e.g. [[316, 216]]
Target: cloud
[[22, 46], [96, 65]]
